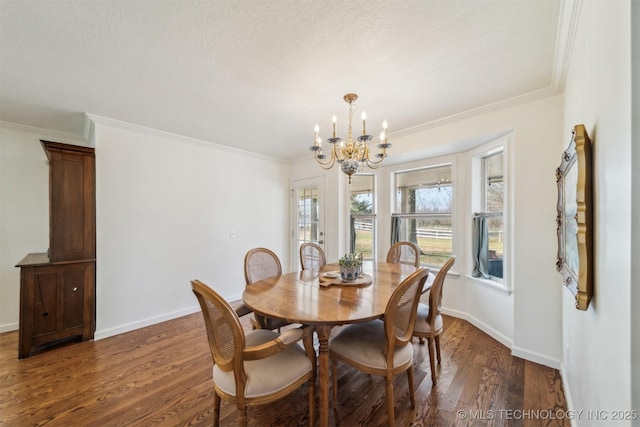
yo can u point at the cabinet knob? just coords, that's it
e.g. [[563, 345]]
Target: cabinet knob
[[75, 289]]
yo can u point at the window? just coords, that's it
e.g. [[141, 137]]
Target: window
[[363, 218], [422, 212], [488, 222]]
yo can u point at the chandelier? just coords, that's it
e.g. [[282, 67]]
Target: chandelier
[[352, 155]]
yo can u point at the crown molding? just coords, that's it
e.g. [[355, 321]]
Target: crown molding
[[567, 27], [64, 137], [488, 108], [92, 120]]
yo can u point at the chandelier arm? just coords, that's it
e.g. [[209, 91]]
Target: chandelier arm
[[380, 159], [328, 164], [365, 152], [373, 164]]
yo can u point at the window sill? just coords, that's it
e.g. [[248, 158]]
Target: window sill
[[492, 284]]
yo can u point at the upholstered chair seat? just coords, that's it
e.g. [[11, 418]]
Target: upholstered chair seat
[[422, 327], [269, 375], [364, 344]]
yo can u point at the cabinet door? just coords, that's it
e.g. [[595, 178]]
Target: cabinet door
[[72, 297], [44, 300], [72, 216]]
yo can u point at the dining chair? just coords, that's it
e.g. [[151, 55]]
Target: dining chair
[[260, 263], [380, 347], [404, 253], [429, 323], [311, 256], [257, 367]]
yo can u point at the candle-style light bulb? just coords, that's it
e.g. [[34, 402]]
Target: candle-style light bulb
[[334, 121], [384, 129], [316, 129], [364, 123]]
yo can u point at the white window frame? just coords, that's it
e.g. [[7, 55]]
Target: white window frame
[[451, 215], [476, 196], [372, 215]]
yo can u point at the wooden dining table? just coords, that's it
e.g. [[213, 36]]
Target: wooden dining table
[[300, 298]]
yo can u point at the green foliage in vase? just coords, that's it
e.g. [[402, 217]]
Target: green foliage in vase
[[350, 260]]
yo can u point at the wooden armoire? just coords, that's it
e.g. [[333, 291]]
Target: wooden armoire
[[57, 288]]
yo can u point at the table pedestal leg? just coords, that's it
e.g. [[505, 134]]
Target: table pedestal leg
[[323, 332]]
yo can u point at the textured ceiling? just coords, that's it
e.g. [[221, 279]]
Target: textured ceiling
[[258, 75]]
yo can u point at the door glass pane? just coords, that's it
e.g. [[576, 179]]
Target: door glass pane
[[308, 215]]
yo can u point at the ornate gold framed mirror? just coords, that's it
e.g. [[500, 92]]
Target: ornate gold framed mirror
[[575, 218]]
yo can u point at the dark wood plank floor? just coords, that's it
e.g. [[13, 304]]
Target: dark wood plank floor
[[161, 375]]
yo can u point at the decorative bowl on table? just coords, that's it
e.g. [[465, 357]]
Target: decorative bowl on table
[[350, 274]]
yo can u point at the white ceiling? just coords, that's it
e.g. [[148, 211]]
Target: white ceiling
[[259, 74]]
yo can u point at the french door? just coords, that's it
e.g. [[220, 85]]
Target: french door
[[308, 215]]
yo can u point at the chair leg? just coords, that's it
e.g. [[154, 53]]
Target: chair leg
[[412, 392], [432, 361], [334, 389], [243, 417], [312, 402], [307, 341], [216, 409], [390, 402], [437, 338], [254, 324]]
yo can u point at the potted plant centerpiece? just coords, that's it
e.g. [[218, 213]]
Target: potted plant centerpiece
[[350, 267]]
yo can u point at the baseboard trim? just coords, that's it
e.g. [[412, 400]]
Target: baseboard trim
[[535, 357], [105, 333], [503, 339], [567, 393], [9, 327]]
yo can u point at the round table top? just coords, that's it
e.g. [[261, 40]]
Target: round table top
[[299, 298]]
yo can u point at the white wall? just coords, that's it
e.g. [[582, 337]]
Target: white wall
[[165, 209], [596, 363], [24, 208], [529, 319]]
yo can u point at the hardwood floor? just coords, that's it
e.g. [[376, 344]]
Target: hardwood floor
[[161, 375]]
